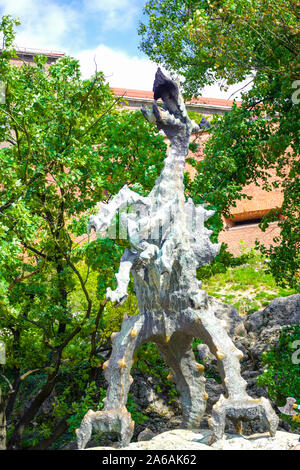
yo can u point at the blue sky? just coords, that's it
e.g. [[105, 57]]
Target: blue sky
[[101, 31]]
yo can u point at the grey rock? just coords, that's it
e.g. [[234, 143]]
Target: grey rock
[[254, 322], [264, 328], [146, 435], [233, 322], [202, 352], [214, 391], [198, 439], [282, 311], [267, 338]]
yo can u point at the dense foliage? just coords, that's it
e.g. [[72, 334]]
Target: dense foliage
[[67, 147], [282, 370], [232, 40]]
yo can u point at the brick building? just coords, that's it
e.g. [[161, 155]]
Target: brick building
[[26, 54]]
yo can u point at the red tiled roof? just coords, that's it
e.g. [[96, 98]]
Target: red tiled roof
[[32, 51], [149, 95]]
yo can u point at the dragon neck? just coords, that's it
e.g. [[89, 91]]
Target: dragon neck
[[170, 182]]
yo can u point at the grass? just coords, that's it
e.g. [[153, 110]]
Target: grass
[[248, 287]]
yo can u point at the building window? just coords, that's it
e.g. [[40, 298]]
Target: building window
[[246, 222]]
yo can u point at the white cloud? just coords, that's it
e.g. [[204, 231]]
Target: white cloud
[[120, 70], [44, 23]]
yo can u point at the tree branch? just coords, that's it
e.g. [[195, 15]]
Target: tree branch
[[8, 382], [23, 277]]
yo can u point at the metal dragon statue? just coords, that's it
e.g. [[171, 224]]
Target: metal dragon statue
[[168, 241]]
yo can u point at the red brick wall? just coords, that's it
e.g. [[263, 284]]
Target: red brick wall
[[248, 234], [246, 209]]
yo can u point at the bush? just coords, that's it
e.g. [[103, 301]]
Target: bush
[[282, 373], [222, 262]]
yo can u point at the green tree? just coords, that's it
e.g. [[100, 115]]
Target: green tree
[[67, 147], [205, 41]]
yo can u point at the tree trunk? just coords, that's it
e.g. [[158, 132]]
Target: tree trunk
[[16, 373], [3, 402], [16, 438], [63, 295], [58, 431], [12, 397]]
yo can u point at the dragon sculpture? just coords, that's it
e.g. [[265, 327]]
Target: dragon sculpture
[[168, 241]]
